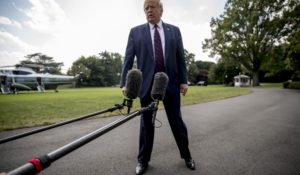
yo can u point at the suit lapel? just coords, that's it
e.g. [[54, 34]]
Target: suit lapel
[[148, 40], [167, 31]]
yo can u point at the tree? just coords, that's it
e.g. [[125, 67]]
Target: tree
[[275, 68], [80, 70], [193, 73], [216, 74], [249, 30], [189, 58], [112, 67], [102, 70], [90, 71], [192, 69], [42, 63], [199, 70], [284, 61], [292, 59], [211, 75]]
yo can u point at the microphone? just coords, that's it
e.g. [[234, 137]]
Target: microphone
[[159, 87], [133, 85]]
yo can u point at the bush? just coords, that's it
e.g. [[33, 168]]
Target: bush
[[231, 83], [294, 85], [285, 84]]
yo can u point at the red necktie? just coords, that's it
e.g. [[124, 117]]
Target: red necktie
[[158, 52]]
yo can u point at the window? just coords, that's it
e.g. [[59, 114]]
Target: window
[[20, 72]]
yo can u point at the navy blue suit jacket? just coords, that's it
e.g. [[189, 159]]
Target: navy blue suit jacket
[[140, 46]]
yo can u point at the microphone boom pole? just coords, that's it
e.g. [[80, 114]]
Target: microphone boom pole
[[38, 164], [17, 136]]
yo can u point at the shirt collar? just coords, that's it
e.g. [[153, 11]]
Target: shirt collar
[[159, 24]]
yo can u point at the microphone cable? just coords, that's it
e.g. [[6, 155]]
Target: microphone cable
[[160, 123]]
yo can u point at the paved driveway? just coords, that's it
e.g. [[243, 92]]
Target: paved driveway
[[255, 134]]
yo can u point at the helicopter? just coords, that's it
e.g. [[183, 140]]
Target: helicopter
[[18, 78]]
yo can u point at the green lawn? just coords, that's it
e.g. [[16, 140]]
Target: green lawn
[[29, 109], [271, 85]]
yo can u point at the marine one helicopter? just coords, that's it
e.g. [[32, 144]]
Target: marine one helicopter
[[23, 77]]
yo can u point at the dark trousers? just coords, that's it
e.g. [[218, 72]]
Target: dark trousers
[[172, 107]]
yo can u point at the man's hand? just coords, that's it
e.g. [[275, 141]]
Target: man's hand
[[123, 90], [183, 89]]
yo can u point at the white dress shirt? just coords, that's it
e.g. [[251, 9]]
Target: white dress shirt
[[161, 34]]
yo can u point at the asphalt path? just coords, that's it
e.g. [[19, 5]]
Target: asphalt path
[[255, 134]]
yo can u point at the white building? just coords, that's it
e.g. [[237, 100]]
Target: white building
[[241, 81]]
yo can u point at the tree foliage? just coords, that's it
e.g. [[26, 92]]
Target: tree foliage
[[249, 30], [189, 58], [199, 71], [223, 72], [42, 63], [102, 70], [292, 52]]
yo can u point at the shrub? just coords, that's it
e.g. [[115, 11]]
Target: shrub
[[294, 85], [285, 84]]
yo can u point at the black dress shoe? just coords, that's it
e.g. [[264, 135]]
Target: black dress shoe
[[190, 163], [141, 168]]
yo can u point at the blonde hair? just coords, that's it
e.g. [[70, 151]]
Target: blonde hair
[[158, 1]]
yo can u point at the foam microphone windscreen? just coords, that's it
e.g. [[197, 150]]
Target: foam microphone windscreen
[[159, 87], [133, 83]]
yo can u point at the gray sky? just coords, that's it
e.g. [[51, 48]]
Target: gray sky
[[68, 29]]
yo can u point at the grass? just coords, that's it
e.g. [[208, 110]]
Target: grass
[[201, 94], [29, 109], [270, 85]]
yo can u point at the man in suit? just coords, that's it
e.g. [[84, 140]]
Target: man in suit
[[158, 47]]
